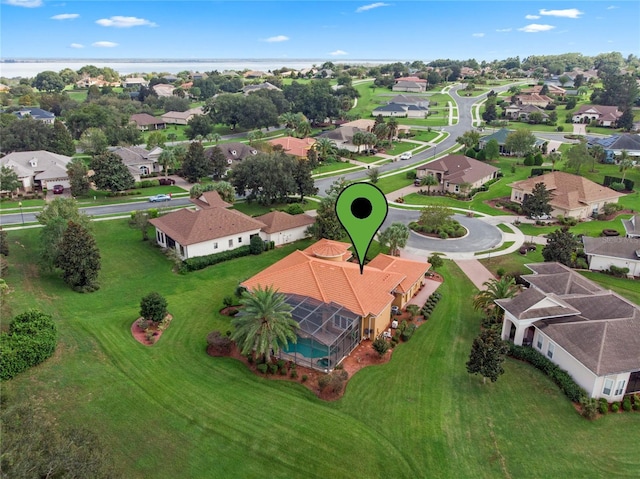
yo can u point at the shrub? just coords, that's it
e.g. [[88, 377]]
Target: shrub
[[273, 368], [560, 128], [617, 186], [219, 344], [294, 374], [626, 403], [262, 368], [617, 272], [589, 407], [411, 175], [381, 346], [227, 301], [501, 271], [615, 407], [294, 209], [201, 262], [256, 245], [304, 378], [408, 332], [610, 208], [636, 402], [603, 406]]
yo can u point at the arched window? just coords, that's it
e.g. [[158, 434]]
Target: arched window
[[144, 170]]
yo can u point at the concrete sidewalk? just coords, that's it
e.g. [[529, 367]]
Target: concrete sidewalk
[[475, 271]]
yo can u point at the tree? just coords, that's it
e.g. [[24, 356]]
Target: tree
[[225, 189], [626, 120], [61, 140], [396, 237], [110, 173], [521, 142], [487, 355], [435, 216], [504, 287], [358, 140], [490, 111], [303, 179], [153, 307], [218, 161], [79, 258], [598, 154], [167, 160], [325, 148], [436, 261], [93, 141], [577, 155], [625, 163], [537, 203], [25, 134], [561, 246], [327, 224], [554, 157], [195, 164], [49, 81], [374, 175], [9, 180], [492, 149], [429, 181], [469, 139], [256, 245], [198, 125], [77, 172], [156, 139], [4, 244], [140, 221], [264, 324]]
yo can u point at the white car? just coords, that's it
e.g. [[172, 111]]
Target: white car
[[405, 156]]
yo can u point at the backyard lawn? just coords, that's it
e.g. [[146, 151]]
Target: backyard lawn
[[172, 411]]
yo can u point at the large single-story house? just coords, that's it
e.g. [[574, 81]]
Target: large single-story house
[[501, 137], [322, 279], [233, 152], [602, 253], [163, 90], [144, 122], [37, 114], [38, 169], [342, 136], [399, 110], [571, 195], [591, 332], [522, 112], [261, 86], [534, 99], [632, 226], [181, 117], [411, 100], [410, 84], [134, 82], [614, 144], [603, 115], [366, 125], [283, 228], [454, 172], [298, 147], [139, 161]]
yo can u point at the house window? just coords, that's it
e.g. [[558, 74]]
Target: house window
[[215, 245], [239, 239], [608, 384], [230, 243], [619, 387], [539, 342], [550, 350], [457, 188]]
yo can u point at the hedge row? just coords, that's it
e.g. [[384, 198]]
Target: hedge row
[[31, 339], [430, 304], [562, 378], [201, 262]]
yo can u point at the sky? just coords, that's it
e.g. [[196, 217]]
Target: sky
[[331, 30]]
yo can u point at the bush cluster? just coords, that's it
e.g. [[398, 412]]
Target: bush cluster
[[617, 272], [147, 183], [430, 304], [562, 378], [31, 339], [451, 229], [201, 262], [334, 381]]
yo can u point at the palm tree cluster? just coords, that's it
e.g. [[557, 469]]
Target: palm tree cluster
[[502, 288]]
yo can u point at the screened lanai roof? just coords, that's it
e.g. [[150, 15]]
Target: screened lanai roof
[[325, 322]]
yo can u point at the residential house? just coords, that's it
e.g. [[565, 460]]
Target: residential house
[[410, 100], [342, 136], [457, 173], [410, 84], [254, 74], [501, 137], [163, 90], [283, 228], [554, 80], [171, 78], [602, 115], [321, 278], [632, 226], [367, 125], [571, 195], [298, 147], [181, 117], [145, 122], [534, 99], [590, 332], [4, 87], [234, 151], [261, 86], [325, 73], [614, 144], [134, 82], [552, 88], [399, 110], [198, 76], [522, 112], [602, 253], [139, 161], [37, 114], [38, 169]]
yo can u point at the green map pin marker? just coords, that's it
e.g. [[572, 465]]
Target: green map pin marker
[[361, 209]]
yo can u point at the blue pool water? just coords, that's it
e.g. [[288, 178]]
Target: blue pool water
[[305, 348]]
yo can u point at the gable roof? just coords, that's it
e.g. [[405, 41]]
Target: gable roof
[[189, 227], [294, 146], [132, 155], [392, 107], [210, 199], [277, 221], [625, 141], [409, 99], [632, 225], [410, 79], [460, 169], [625, 248], [409, 269], [233, 151], [602, 110], [568, 191]]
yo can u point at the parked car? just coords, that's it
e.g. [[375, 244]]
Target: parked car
[[417, 182], [58, 189], [541, 217], [371, 151], [167, 181], [405, 156], [157, 198]]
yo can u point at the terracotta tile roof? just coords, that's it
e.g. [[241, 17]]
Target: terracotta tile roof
[[329, 249], [410, 79], [568, 191], [277, 221], [412, 273], [294, 146], [210, 199], [191, 227]]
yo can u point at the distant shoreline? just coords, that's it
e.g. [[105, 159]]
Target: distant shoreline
[[194, 60]]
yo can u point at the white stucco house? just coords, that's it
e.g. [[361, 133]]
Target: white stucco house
[[283, 228], [590, 332], [602, 253]]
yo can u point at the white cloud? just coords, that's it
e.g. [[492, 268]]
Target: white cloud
[[477, 35], [24, 3], [276, 39], [65, 16], [532, 17], [535, 28], [338, 52], [76, 45], [104, 44], [612, 7], [125, 22], [371, 6], [502, 30], [566, 13]]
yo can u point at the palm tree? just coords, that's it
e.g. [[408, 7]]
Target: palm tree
[[504, 287], [392, 128], [303, 129], [625, 163], [288, 120], [264, 324], [396, 236], [381, 131], [554, 157], [166, 159], [358, 139], [429, 181], [598, 154], [215, 137], [325, 148], [370, 140], [583, 90]]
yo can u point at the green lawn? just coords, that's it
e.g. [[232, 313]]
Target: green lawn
[[623, 286], [256, 209], [338, 166], [505, 245], [588, 228], [422, 135], [172, 411], [367, 158], [401, 147], [393, 183]]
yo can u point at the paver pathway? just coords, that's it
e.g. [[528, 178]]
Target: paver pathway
[[475, 271]]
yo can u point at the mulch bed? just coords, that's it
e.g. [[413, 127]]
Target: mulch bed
[[141, 336]]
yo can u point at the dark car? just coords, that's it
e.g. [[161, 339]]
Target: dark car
[[417, 182], [58, 189], [166, 181]]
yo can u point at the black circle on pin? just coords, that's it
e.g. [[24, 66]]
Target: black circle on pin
[[361, 208]]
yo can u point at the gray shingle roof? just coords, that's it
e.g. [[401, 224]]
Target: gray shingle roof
[[616, 247]]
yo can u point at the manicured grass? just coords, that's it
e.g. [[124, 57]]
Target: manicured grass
[[514, 262], [505, 245], [401, 147], [256, 209], [329, 167], [172, 411], [394, 182], [78, 95], [588, 228], [368, 158], [422, 135], [504, 228]]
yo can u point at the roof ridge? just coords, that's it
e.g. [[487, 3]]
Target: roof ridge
[[602, 342], [344, 271], [315, 277]]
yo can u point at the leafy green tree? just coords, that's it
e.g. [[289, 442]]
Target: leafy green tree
[[140, 221], [577, 155], [562, 246], [624, 163], [77, 172], [264, 324], [167, 160], [153, 307], [110, 173], [301, 174], [198, 125], [502, 288], [195, 165], [395, 236], [435, 216], [537, 203], [49, 81], [469, 139], [436, 261], [25, 134], [93, 141], [4, 244], [521, 142], [256, 245], [326, 149], [487, 355], [490, 111], [626, 120], [9, 180], [597, 154], [429, 181], [61, 140], [79, 258], [374, 175], [554, 157], [225, 190], [156, 139]]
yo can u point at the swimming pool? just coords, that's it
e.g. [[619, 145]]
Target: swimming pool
[[307, 348]]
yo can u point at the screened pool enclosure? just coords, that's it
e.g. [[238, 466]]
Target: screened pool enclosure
[[328, 332]]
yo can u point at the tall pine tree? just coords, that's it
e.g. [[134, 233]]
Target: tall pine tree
[[79, 258], [195, 164]]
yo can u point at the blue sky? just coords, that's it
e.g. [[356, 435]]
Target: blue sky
[[334, 30]]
